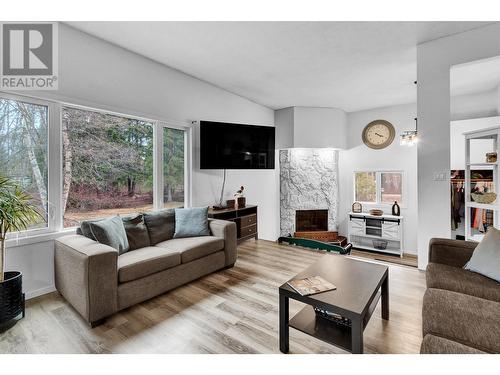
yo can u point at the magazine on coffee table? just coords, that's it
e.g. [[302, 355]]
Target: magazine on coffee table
[[311, 285]]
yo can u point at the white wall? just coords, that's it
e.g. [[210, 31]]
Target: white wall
[[96, 73], [478, 146], [358, 157], [471, 106], [319, 127], [310, 127], [434, 60]]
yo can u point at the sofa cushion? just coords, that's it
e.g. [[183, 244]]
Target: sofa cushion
[[191, 222], [192, 248], [110, 232], [438, 345], [469, 320], [486, 257], [137, 232], [143, 262], [161, 225], [441, 276]]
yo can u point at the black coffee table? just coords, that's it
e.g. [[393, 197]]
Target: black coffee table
[[360, 285]]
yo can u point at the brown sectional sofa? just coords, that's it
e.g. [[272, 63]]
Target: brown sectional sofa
[[98, 282], [461, 309]]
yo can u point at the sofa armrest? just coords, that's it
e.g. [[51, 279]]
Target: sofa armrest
[[454, 253], [86, 275], [226, 230]]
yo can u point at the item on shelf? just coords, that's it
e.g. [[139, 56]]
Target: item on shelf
[[230, 203], [333, 317], [396, 210], [486, 198], [311, 285], [376, 212], [380, 244], [357, 207], [240, 198], [491, 157]]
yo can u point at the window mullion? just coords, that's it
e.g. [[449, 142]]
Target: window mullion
[[158, 182], [55, 173]]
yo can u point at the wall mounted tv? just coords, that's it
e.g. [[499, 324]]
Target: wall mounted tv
[[236, 146]]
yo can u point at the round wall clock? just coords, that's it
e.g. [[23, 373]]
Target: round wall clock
[[378, 134]]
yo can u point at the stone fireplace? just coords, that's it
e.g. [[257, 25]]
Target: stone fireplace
[[308, 191]]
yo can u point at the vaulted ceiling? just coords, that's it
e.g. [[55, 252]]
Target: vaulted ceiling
[[347, 65]]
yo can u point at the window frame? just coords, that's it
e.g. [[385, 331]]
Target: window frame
[[55, 227], [378, 187]]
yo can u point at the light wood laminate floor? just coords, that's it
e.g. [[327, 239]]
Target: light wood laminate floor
[[231, 311]]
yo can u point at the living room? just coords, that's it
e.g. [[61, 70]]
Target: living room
[[271, 187]]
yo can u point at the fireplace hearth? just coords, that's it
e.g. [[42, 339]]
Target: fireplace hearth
[[313, 224]]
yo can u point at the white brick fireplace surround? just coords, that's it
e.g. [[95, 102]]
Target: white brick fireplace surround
[[308, 181]]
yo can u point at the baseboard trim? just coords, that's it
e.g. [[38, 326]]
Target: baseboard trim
[[40, 292]]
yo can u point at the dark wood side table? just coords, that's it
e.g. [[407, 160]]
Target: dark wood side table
[[360, 285], [244, 217]]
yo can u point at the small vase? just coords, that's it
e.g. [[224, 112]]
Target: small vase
[[396, 210]]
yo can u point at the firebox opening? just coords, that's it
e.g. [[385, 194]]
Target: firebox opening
[[311, 220]]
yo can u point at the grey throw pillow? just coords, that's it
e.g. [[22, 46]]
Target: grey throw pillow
[[161, 225], [137, 232], [111, 232], [191, 222], [486, 257]]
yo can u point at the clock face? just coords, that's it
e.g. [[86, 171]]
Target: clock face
[[378, 134]]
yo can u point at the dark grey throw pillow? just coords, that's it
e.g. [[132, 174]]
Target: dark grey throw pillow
[[137, 232], [110, 232], [191, 222], [161, 225]]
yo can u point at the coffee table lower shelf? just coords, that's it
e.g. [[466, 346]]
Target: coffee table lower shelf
[[307, 322]]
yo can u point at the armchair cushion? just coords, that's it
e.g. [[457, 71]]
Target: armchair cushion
[[441, 276], [469, 320]]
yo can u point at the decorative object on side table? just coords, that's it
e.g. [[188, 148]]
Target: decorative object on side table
[[396, 210], [230, 203], [376, 212], [16, 212], [357, 207], [240, 198]]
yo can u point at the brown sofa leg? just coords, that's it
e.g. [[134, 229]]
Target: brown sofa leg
[[228, 267], [97, 323]]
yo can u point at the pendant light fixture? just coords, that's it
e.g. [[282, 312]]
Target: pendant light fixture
[[410, 137]]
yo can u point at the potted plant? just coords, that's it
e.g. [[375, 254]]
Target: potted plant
[[17, 212]]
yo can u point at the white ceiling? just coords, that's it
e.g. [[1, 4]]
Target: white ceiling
[[474, 77], [347, 65]]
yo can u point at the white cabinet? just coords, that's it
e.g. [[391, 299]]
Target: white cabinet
[[378, 233]]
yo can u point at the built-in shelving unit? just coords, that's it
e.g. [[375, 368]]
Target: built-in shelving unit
[[473, 234], [365, 230]]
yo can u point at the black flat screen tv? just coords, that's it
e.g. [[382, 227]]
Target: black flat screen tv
[[236, 146]]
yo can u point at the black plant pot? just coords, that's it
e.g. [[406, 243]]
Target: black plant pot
[[11, 299]]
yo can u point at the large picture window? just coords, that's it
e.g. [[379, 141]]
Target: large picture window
[[107, 165], [378, 187], [24, 150]]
